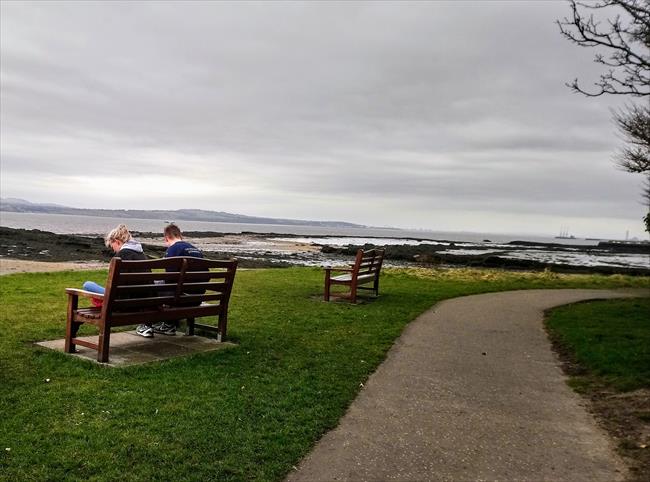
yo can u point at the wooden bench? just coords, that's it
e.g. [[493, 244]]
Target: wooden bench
[[365, 270], [181, 288]]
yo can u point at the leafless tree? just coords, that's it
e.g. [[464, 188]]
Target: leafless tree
[[625, 37], [621, 28], [634, 124]]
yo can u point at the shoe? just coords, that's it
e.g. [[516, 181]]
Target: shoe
[[164, 328], [144, 330]]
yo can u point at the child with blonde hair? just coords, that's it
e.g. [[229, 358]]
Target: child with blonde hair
[[123, 244], [125, 247]]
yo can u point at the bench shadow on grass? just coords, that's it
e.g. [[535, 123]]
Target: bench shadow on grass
[[336, 298]]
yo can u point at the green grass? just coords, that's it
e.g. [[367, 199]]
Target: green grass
[[609, 339], [250, 412]]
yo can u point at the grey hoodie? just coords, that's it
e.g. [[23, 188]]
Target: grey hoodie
[[131, 250]]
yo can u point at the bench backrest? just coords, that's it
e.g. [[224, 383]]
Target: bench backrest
[[179, 281], [368, 262]]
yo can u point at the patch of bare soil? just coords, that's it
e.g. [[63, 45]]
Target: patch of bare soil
[[625, 416], [9, 266]]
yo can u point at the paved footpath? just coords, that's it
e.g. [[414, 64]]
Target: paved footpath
[[470, 391]]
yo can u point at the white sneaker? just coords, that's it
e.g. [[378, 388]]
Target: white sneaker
[[164, 328], [144, 330]]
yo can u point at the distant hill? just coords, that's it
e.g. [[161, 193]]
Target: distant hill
[[23, 202], [15, 205]]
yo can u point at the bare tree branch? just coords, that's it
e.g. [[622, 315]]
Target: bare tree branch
[[634, 124], [626, 39], [628, 43]]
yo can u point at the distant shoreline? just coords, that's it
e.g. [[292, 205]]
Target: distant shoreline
[[93, 225], [24, 206], [278, 250]]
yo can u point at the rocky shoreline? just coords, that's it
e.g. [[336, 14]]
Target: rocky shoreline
[[36, 245], [435, 254]]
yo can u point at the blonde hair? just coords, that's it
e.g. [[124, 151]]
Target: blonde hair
[[120, 233]]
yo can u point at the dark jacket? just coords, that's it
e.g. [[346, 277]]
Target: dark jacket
[[131, 251], [183, 248], [131, 255]]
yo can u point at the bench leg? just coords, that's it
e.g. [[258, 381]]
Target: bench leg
[[353, 293], [190, 327], [103, 344], [223, 322], [71, 327], [326, 296], [71, 330]]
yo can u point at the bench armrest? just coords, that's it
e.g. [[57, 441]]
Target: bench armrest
[[330, 269], [334, 268], [87, 294]]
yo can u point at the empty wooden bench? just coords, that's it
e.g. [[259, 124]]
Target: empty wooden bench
[[365, 270], [167, 289]]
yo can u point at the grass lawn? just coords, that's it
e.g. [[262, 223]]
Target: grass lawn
[[251, 412], [609, 340], [606, 349]]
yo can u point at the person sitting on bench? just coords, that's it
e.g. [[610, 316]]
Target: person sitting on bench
[[125, 247], [176, 247]]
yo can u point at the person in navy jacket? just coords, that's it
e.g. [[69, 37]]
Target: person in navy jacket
[[175, 247]]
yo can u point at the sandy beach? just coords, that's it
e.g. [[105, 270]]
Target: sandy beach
[[10, 266], [240, 243]]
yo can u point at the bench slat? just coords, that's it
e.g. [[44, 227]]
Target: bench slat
[[167, 287], [86, 343], [148, 287], [190, 298], [194, 264], [171, 314], [126, 303], [165, 264], [212, 286], [343, 277], [137, 278], [205, 275]]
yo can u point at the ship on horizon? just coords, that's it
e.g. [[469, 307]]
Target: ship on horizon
[[564, 233]]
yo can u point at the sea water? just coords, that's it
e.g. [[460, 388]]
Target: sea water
[[466, 243], [75, 224]]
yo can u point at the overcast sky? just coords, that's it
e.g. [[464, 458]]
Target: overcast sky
[[442, 115]]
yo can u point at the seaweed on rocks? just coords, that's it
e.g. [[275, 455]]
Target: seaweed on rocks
[[434, 254], [37, 245], [519, 255], [34, 244]]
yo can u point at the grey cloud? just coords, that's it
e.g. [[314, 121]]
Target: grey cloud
[[443, 101]]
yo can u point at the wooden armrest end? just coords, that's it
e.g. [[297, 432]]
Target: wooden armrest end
[[87, 294]]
